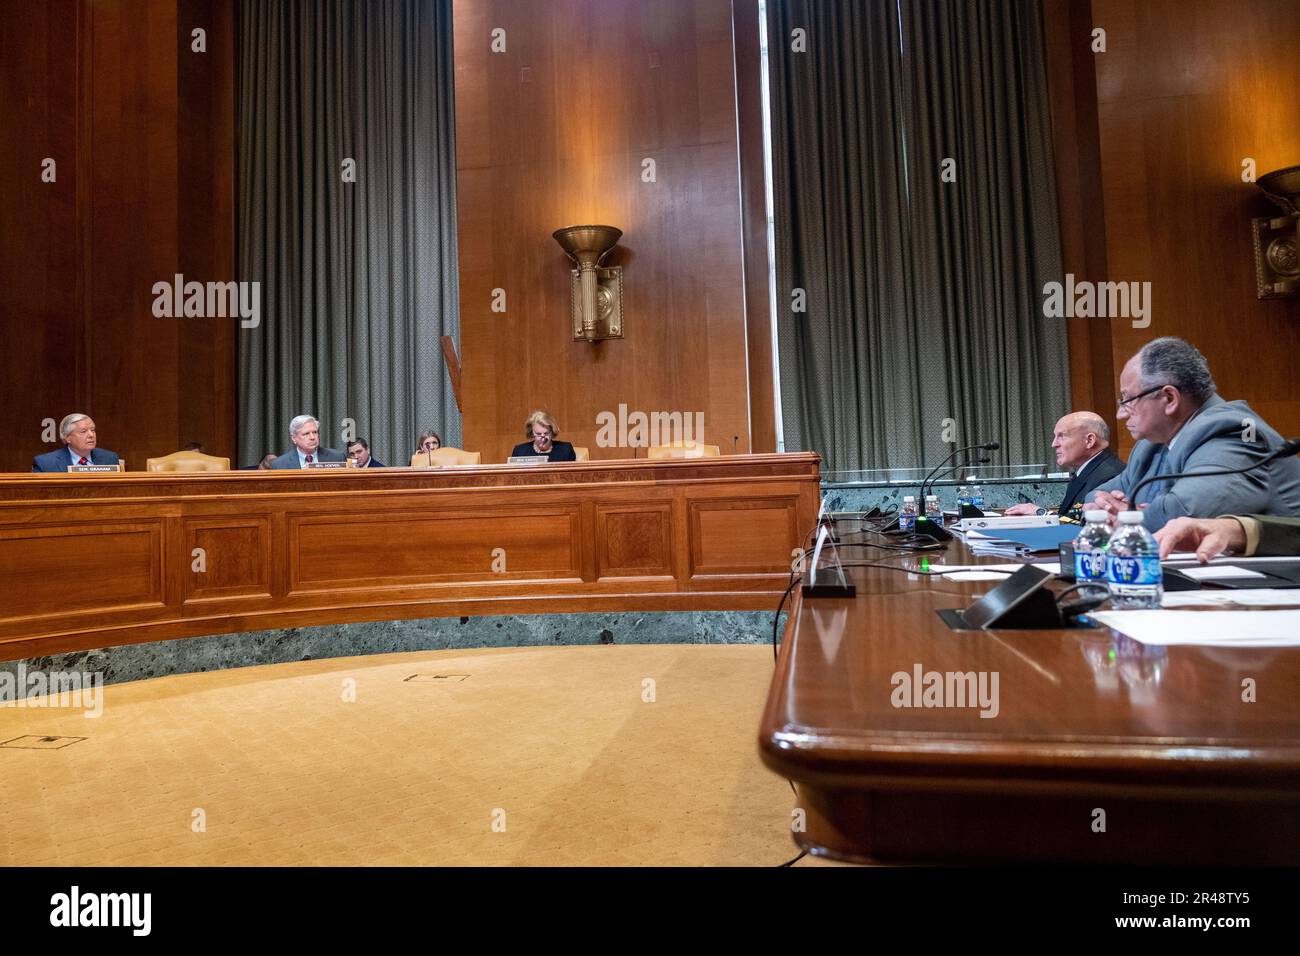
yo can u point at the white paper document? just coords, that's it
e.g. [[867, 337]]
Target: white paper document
[[1051, 567], [1240, 597], [1218, 571], [1206, 628], [976, 574]]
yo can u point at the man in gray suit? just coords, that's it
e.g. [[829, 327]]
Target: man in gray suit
[[304, 432], [1168, 401]]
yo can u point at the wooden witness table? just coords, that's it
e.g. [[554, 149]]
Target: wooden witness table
[[1091, 728], [96, 560]]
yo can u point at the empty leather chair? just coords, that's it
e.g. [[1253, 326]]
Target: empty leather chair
[[442, 457], [684, 449], [187, 461]]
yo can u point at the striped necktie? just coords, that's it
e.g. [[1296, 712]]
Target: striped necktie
[[82, 461]]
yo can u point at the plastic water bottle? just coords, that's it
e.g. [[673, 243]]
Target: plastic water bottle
[[907, 514], [977, 497], [932, 510], [964, 497], [1133, 565], [1090, 548]]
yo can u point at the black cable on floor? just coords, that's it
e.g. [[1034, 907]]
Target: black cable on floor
[[776, 618], [802, 854]]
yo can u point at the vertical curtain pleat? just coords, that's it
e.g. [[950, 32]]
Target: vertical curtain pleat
[[923, 321], [358, 279]]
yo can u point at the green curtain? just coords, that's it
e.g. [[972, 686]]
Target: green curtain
[[358, 278], [922, 326]]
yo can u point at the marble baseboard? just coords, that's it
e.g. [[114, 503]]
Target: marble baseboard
[[1047, 492], [196, 654]]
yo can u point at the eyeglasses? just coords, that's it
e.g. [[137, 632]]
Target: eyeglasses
[[1126, 402]]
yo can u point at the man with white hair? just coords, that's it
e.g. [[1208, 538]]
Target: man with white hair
[[1168, 401], [80, 447], [304, 432], [1082, 444]]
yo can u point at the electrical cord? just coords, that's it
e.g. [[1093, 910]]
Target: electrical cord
[[1080, 587], [905, 548], [796, 575], [922, 542], [794, 579], [893, 567]]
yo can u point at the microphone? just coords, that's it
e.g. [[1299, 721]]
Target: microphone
[[984, 446], [923, 524], [1288, 449], [982, 460], [734, 440]]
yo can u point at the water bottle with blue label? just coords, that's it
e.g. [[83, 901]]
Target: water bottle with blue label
[[964, 497], [977, 497], [1090, 548], [1133, 565], [932, 510], [907, 515]]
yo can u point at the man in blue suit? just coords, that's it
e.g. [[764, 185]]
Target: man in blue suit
[[79, 447], [359, 451], [304, 432], [1168, 401]]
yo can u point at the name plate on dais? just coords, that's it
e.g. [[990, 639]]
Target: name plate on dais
[[93, 469], [330, 464]]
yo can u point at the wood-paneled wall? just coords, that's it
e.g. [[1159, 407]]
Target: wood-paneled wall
[[1186, 90], [553, 132], [1072, 91], [142, 130]]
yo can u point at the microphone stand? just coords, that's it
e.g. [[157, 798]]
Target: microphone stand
[[926, 527], [983, 446]]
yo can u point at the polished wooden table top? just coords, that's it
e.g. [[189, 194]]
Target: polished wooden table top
[[1074, 710]]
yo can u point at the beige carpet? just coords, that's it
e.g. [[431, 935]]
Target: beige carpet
[[539, 756]]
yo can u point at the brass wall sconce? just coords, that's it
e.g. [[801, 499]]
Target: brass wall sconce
[[597, 291], [1277, 240]]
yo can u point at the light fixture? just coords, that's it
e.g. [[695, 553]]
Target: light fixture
[[1277, 240], [597, 292]]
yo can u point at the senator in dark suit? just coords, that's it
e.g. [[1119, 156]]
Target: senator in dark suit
[[304, 432], [542, 431], [1082, 443], [79, 448], [359, 452]]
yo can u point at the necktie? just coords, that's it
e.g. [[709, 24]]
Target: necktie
[[1156, 487], [309, 459], [82, 461]]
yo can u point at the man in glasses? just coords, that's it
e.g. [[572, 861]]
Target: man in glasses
[[1168, 402]]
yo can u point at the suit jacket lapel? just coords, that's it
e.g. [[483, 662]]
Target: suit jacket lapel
[[1073, 489]]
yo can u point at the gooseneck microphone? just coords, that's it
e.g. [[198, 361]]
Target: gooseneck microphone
[[981, 460], [984, 446], [1288, 449]]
